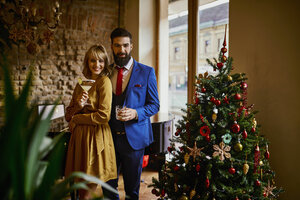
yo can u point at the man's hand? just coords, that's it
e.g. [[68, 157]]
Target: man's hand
[[127, 114]]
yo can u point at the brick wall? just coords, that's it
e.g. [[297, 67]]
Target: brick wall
[[58, 66]]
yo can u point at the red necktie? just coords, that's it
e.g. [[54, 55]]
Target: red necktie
[[119, 80]]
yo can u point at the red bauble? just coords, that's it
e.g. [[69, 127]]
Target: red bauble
[[267, 154], [220, 65], [235, 128], [252, 129], [257, 183], [162, 193], [198, 167], [170, 149], [154, 191], [224, 59], [223, 50], [217, 102], [244, 85], [207, 138], [207, 183], [231, 170], [236, 198], [176, 168], [204, 130], [237, 96], [212, 99], [203, 90], [177, 132], [265, 194], [245, 134]]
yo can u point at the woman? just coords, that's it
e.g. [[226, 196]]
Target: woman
[[91, 148]]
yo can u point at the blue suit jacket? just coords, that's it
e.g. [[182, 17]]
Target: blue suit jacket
[[141, 95]]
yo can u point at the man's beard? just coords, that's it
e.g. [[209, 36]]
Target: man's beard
[[122, 61]]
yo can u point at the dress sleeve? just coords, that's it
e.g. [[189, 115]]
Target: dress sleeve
[[73, 108], [102, 114]]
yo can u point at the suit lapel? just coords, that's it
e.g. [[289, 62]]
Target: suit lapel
[[133, 77]]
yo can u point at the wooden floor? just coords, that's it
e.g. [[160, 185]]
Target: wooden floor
[[145, 191]]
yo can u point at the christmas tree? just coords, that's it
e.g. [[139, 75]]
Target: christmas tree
[[218, 151]]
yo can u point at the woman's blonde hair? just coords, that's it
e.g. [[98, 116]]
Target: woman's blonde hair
[[99, 52]]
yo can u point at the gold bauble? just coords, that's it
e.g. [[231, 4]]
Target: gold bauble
[[229, 78], [214, 117], [238, 147], [192, 193], [254, 122], [186, 158], [183, 197], [261, 163], [245, 168]]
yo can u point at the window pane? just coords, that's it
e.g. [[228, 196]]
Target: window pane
[[213, 15], [178, 24]]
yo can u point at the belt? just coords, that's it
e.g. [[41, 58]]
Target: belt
[[120, 132]]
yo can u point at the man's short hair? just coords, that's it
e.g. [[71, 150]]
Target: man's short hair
[[120, 32]]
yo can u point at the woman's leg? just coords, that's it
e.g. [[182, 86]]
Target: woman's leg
[[88, 194]]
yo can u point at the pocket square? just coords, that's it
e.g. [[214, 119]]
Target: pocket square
[[138, 85]]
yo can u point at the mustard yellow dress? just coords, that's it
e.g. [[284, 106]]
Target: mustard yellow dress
[[91, 148]]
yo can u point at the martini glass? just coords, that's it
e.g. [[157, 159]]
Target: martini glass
[[86, 85]]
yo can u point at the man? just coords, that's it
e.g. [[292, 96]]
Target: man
[[135, 88]]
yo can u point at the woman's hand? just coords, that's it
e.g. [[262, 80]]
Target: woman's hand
[[82, 99]]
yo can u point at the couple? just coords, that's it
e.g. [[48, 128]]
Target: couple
[[100, 145]]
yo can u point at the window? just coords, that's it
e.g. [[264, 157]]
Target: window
[[213, 17]]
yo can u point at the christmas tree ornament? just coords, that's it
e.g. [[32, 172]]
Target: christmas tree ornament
[[237, 96], [176, 168], [175, 187], [257, 183], [222, 151], [244, 85], [203, 90], [217, 102], [235, 128], [220, 65], [229, 78], [162, 194], [204, 130], [256, 157], [231, 170], [197, 100], [267, 153], [183, 197], [195, 151], [226, 100], [192, 193], [186, 158], [170, 149], [198, 167], [236, 198], [227, 138], [223, 50], [224, 59], [254, 123], [253, 130], [238, 147], [154, 191], [212, 99], [207, 138], [214, 117], [268, 190], [244, 134], [245, 168], [207, 182]]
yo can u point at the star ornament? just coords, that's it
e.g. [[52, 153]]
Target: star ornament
[[222, 151], [195, 151], [269, 189]]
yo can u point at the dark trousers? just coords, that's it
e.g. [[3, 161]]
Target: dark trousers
[[129, 162]]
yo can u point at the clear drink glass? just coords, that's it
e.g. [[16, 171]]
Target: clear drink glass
[[86, 85]]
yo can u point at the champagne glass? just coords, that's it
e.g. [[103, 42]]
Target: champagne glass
[[86, 85]]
